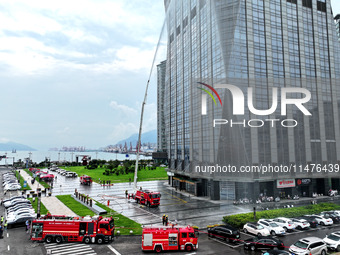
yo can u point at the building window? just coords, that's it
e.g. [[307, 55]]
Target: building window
[[193, 12], [292, 1], [307, 3], [178, 30], [185, 22], [171, 37], [321, 6]]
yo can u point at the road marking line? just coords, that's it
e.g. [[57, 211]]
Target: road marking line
[[229, 245], [71, 248], [7, 235], [8, 247], [180, 199], [72, 252], [113, 249]]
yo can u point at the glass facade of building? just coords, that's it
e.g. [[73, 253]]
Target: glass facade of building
[[265, 45], [161, 137]]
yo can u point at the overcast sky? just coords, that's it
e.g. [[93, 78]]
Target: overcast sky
[[74, 72]]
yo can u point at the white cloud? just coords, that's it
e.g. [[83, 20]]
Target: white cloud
[[121, 131], [150, 117], [122, 108]]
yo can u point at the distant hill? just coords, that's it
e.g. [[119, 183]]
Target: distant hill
[[147, 137], [15, 146]]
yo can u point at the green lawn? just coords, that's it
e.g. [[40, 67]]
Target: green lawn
[[21, 180], [122, 223], [143, 175], [75, 206], [44, 184], [43, 209]]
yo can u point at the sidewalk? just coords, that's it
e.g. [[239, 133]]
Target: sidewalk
[[56, 207], [52, 204], [28, 178]]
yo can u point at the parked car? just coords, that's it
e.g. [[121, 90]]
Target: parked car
[[286, 223], [309, 246], [19, 214], [323, 221], [12, 186], [333, 241], [21, 210], [255, 229], [19, 219], [273, 228], [311, 220], [18, 203], [336, 212], [301, 223], [225, 232], [14, 201], [10, 199], [20, 206], [260, 243], [335, 218]]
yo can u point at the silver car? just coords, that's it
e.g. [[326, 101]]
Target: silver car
[[309, 246]]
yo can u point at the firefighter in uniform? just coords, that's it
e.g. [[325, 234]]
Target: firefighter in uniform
[[163, 219], [166, 220]]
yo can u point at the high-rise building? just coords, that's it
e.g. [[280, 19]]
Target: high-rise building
[[161, 137], [337, 25], [252, 97]]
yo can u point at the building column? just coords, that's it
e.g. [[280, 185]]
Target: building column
[[256, 191]]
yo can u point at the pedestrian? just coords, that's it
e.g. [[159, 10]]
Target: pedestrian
[[2, 219], [5, 225], [1, 231], [126, 193], [166, 220], [163, 219], [27, 224]]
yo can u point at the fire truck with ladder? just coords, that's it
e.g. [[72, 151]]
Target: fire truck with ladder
[[169, 238], [147, 197], [85, 179], [88, 230]]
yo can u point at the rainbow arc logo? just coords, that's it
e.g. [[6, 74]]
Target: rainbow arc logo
[[204, 96]]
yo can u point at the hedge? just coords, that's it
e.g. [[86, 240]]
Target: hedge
[[238, 220]]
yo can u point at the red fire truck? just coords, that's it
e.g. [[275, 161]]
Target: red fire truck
[[85, 179], [147, 197], [88, 230], [169, 238]]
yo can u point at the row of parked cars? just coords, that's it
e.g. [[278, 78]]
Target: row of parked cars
[[18, 210], [266, 230], [10, 181], [63, 172]]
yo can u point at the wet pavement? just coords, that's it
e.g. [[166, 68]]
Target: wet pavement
[[181, 208]]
